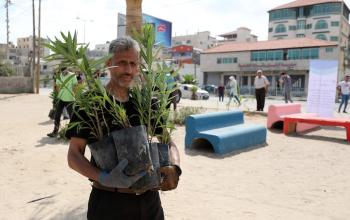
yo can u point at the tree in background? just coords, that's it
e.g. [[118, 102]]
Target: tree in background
[[189, 79]]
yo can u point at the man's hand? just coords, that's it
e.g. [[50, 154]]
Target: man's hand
[[117, 179], [170, 178]]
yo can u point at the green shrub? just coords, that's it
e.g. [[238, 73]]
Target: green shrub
[[5, 70], [179, 117]]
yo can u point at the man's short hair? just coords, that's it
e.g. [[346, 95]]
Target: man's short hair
[[259, 71], [123, 44], [283, 73]]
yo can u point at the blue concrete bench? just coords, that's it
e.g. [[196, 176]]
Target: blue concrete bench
[[225, 131]]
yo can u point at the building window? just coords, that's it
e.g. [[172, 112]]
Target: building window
[[301, 25], [334, 38], [280, 28], [274, 55], [300, 35], [335, 23], [188, 41], [321, 37], [301, 12], [321, 24], [329, 8], [329, 49], [281, 14], [305, 53], [293, 54], [314, 53], [258, 56], [292, 28], [308, 26], [226, 60], [270, 30]]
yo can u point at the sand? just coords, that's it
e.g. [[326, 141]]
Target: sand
[[291, 177]]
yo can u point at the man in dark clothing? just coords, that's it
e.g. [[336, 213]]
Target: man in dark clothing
[[221, 91], [111, 197]]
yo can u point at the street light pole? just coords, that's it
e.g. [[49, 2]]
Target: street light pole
[[84, 22]]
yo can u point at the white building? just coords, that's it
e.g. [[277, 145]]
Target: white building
[[242, 34], [201, 40], [318, 19], [26, 45]]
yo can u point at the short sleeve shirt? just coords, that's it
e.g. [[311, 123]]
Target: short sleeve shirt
[[344, 87], [66, 84], [261, 82]]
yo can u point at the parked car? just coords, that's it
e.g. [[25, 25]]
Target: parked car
[[186, 92], [210, 88]]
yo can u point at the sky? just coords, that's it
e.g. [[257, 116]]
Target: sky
[[101, 17]]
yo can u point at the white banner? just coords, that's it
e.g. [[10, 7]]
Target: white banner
[[322, 87]]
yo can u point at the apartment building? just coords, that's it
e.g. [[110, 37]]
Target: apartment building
[[299, 31]]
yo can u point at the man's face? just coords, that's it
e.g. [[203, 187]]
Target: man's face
[[259, 74], [347, 78], [126, 69]]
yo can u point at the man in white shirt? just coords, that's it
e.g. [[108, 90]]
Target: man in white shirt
[[261, 85], [344, 89]]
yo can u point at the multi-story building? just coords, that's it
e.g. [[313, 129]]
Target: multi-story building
[[26, 45], [242, 34], [298, 32], [242, 60], [201, 40], [318, 19]]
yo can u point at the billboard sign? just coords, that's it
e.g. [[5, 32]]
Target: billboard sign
[[162, 28]]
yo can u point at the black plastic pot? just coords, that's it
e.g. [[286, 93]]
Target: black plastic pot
[[132, 144], [152, 179], [163, 151], [104, 153]]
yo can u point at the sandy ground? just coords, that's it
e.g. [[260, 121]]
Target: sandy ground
[[291, 177]]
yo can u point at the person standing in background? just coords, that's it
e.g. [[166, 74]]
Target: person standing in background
[[344, 89], [261, 85], [221, 92], [286, 86], [233, 92], [65, 85]]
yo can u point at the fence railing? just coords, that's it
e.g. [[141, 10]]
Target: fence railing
[[273, 91]]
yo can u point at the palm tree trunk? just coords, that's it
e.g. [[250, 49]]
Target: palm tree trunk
[[133, 16]]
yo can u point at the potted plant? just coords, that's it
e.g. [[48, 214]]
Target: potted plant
[[92, 98]]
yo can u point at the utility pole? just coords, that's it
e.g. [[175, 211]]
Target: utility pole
[[37, 72], [8, 2], [33, 52]]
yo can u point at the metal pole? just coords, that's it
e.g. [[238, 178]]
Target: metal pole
[[8, 29], [33, 54], [84, 31], [37, 73]]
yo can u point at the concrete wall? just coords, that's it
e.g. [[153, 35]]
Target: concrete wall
[[17, 84]]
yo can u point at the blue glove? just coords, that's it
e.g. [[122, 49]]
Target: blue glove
[[117, 179]]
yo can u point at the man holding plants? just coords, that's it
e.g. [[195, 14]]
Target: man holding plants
[[111, 196]]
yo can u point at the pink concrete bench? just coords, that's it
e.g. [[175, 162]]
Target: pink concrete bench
[[276, 113]]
